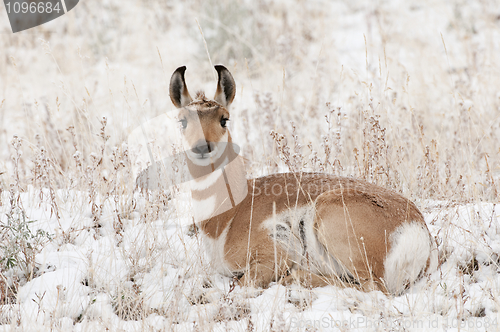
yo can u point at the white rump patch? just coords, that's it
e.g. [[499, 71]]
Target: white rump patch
[[407, 260]]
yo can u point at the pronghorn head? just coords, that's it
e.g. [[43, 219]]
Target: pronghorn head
[[203, 121]]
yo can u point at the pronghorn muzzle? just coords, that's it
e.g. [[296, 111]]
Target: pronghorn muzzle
[[202, 148]]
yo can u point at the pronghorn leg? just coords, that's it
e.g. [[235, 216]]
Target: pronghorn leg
[[258, 276], [348, 226]]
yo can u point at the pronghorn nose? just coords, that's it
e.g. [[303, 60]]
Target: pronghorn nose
[[202, 147]]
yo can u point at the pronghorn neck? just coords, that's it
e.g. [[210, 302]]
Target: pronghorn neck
[[217, 189]]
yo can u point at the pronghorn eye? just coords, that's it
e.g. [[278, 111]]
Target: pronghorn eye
[[223, 122], [183, 123]]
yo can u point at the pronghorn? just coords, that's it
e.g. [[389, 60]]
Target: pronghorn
[[317, 229]]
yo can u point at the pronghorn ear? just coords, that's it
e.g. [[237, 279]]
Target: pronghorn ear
[[179, 93], [226, 87]]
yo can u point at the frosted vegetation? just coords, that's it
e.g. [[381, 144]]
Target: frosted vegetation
[[404, 94]]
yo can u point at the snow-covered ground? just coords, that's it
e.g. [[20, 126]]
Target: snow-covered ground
[[405, 94]]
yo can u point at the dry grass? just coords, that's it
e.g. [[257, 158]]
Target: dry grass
[[415, 111]]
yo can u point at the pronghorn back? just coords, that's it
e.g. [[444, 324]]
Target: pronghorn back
[[317, 229]]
